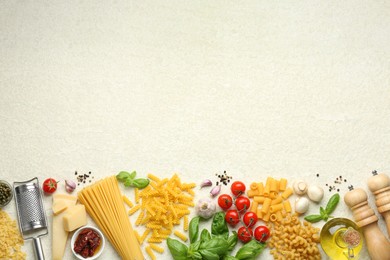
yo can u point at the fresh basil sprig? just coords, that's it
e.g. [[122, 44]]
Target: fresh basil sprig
[[325, 213], [215, 245], [129, 180]]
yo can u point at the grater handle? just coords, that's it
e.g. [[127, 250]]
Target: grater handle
[[38, 249]]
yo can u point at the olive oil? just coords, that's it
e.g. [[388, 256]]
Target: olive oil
[[341, 239]]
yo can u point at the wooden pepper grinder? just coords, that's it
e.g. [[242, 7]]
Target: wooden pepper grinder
[[379, 185], [377, 244]]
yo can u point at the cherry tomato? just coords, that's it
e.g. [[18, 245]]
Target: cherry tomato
[[242, 204], [261, 233], [232, 217], [237, 188], [225, 201], [245, 234], [49, 185], [250, 219]]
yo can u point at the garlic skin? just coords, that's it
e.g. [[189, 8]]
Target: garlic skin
[[215, 191], [70, 186], [205, 208], [301, 205], [206, 183], [315, 193], [300, 187]]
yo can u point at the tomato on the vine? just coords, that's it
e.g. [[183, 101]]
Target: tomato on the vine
[[261, 233], [238, 188], [225, 201], [250, 219], [232, 217], [49, 185], [242, 204], [245, 234]]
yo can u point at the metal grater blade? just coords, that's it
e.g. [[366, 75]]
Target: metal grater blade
[[30, 207]]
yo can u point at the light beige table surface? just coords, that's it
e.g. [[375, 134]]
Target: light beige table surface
[[257, 88]]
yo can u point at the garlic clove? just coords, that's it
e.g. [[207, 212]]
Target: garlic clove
[[206, 183], [301, 205], [215, 191], [70, 186], [300, 187], [315, 193]]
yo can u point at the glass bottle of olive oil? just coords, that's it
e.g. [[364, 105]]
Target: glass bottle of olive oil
[[341, 239]]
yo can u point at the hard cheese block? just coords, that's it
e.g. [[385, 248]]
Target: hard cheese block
[[59, 235], [75, 217], [59, 206]]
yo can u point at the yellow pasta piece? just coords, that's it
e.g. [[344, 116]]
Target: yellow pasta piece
[[150, 253], [276, 207], [134, 209], [127, 201], [287, 193], [139, 218], [259, 199], [259, 214], [180, 235], [254, 206], [266, 205], [260, 188], [185, 223], [273, 185], [137, 236], [277, 200], [287, 206], [266, 216], [157, 248], [153, 177], [282, 184], [252, 193], [136, 195]]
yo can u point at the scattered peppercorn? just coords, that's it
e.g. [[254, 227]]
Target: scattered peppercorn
[[83, 178], [374, 172], [223, 179]]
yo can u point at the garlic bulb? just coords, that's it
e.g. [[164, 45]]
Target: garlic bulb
[[301, 205], [315, 193], [300, 187]]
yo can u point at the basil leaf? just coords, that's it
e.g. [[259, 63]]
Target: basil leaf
[[122, 176], [232, 241], [133, 174], [215, 245], [193, 250], [313, 218], [197, 256], [332, 203], [141, 183], [219, 226], [229, 257], [128, 182], [250, 250], [194, 229], [207, 254], [205, 235], [178, 249]]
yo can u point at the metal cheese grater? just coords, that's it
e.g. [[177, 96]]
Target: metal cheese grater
[[31, 214]]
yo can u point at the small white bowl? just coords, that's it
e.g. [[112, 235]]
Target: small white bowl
[[97, 253]]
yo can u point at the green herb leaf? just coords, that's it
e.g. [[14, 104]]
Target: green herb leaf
[[313, 218], [332, 203], [209, 255], [232, 241], [215, 245], [205, 235], [141, 183], [178, 249], [197, 256], [194, 229], [229, 257], [122, 176], [129, 182], [133, 174], [219, 226], [193, 250], [250, 250]]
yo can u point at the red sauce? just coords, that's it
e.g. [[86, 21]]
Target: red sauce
[[87, 243]]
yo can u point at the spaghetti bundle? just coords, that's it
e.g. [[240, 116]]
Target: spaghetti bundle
[[104, 203]]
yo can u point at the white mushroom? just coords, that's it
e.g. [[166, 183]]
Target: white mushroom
[[300, 187], [315, 193], [301, 205]]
